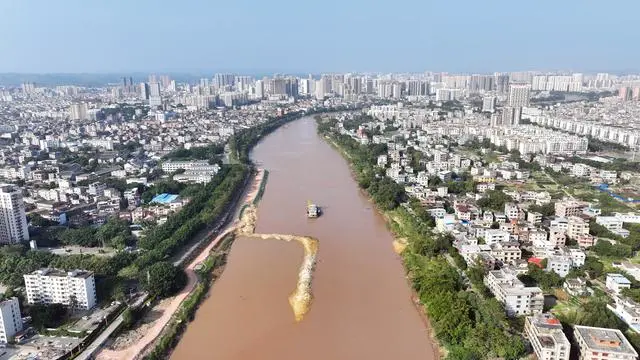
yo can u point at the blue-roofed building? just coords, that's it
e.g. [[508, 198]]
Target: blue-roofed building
[[165, 198], [617, 282]]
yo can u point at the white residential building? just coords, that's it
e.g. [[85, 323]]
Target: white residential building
[[492, 236], [10, 319], [576, 287], [195, 165], [612, 223], [616, 283], [512, 211], [578, 257], [513, 294], [13, 220], [544, 332], [609, 176], [630, 217], [559, 223], [603, 344], [534, 218], [559, 264], [538, 238], [628, 310], [50, 286]]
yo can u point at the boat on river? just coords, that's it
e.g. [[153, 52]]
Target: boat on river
[[313, 211]]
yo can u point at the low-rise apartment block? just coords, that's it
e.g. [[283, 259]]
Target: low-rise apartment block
[[628, 310], [616, 283], [602, 344], [559, 264], [200, 165], [10, 319], [612, 223], [544, 332], [534, 218], [517, 298], [493, 236], [577, 227], [576, 287], [51, 286], [569, 208]]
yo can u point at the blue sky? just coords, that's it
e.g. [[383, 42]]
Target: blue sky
[[318, 36]]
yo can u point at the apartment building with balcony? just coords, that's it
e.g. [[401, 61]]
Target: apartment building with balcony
[[75, 288], [13, 220], [547, 339], [517, 298], [10, 319]]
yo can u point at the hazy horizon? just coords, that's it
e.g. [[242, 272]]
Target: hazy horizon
[[286, 36]]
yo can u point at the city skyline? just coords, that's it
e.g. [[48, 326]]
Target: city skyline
[[292, 37]]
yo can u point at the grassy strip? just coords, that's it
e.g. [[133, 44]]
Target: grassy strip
[[186, 313], [263, 185], [242, 209]]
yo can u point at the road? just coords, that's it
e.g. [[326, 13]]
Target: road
[[141, 346], [100, 340], [205, 235], [231, 213]]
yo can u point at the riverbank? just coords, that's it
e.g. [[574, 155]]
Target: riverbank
[[154, 330], [360, 306], [466, 324], [208, 271]]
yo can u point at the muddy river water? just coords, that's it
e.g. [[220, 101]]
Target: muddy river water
[[362, 306]]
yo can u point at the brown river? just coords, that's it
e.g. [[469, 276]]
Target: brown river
[[362, 306]]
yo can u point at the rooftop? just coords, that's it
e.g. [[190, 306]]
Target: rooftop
[[619, 279], [602, 339], [61, 273], [546, 320], [164, 198], [8, 188]]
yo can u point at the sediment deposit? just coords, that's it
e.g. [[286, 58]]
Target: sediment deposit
[[300, 298]]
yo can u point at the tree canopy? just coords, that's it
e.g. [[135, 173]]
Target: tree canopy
[[163, 279], [494, 200]]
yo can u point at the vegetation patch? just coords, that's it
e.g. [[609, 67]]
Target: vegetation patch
[[186, 313], [263, 185]]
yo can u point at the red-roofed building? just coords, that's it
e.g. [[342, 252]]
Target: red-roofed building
[[536, 261]]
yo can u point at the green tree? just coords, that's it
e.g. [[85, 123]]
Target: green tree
[[47, 316], [85, 236], [163, 279], [494, 200], [545, 210], [593, 267], [112, 229], [476, 274], [605, 248], [38, 220]]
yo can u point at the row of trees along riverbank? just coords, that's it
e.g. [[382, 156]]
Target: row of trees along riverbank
[[466, 320], [220, 191]]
